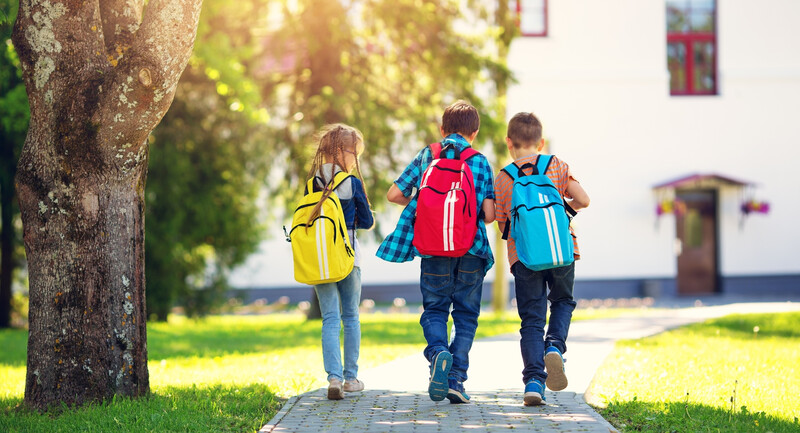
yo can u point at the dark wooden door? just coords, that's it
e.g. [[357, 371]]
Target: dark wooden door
[[697, 233]]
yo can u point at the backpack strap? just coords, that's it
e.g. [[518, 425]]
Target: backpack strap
[[468, 153], [436, 149], [463, 155], [511, 168], [338, 178], [543, 163], [513, 171]]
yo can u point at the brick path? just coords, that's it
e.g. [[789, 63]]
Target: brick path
[[396, 401]]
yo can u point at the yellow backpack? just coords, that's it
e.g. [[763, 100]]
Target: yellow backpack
[[321, 247]]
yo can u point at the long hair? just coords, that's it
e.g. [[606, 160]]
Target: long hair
[[333, 141]]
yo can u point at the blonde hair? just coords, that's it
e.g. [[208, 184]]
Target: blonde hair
[[332, 141]]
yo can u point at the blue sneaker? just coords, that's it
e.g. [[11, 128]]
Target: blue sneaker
[[534, 393], [456, 393], [438, 387], [554, 364]]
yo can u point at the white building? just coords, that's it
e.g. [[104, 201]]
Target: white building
[[634, 94]]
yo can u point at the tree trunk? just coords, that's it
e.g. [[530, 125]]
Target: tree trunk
[[99, 79]]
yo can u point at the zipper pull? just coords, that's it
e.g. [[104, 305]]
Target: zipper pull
[[285, 233]]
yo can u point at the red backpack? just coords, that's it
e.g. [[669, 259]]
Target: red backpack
[[447, 218]]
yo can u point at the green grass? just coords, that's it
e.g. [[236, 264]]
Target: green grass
[[717, 376], [223, 373]]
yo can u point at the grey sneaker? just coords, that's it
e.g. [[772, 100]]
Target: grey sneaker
[[353, 385], [335, 391]]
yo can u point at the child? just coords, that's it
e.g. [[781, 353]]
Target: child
[[338, 150], [447, 281], [524, 141]]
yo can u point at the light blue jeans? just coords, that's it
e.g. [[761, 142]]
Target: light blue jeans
[[338, 303]]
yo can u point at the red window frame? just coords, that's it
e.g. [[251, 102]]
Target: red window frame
[[543, 33], [689, 40]]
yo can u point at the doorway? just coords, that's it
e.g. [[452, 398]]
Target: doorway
[[697, 233]]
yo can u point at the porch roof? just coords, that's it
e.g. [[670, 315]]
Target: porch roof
[[699, 180]]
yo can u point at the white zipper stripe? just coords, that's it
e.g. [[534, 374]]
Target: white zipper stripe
[[445, 218], [453, 212], [549, 225], [559, 253], [324, 245], [318, 232]]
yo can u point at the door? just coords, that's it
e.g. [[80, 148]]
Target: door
[[697, 239]]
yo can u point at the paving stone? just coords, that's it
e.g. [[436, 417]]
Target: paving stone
[[395, 400]]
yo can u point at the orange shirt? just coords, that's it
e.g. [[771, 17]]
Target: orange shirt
[[559, 174]]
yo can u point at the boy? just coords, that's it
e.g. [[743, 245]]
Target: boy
[[525, 142], [447, 281]]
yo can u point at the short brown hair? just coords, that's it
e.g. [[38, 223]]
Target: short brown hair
[[460, 118], [524, 130]]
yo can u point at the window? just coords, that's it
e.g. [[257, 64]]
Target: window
[[532, 15], [692, 47]]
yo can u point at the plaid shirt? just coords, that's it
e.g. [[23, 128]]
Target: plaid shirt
[[398, 247]]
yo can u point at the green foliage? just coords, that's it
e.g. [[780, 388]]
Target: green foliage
[[386, 67], [736, 373], [202, 197], [14, 118]]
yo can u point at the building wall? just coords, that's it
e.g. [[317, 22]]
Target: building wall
[[600, 85]]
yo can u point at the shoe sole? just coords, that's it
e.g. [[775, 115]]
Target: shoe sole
[[556, 378], [456, 397], [353, 390], [438, 387], [533, 399], [335, 393]]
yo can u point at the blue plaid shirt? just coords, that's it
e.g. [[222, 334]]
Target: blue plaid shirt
[[398, 247]]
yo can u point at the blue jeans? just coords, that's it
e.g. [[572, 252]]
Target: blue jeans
[[346, 293], [456, 281], [531, 289]]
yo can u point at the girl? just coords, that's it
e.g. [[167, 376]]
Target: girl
[[339, 148]]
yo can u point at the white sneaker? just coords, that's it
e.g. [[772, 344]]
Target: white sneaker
[[353, 385], [335, 391]]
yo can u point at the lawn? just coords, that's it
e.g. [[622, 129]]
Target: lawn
[[739, 373], [224, 373]]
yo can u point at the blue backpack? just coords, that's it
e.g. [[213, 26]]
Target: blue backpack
[[538, 219]]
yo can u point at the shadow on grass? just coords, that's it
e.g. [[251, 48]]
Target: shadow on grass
[[193, 409], [636, 416]]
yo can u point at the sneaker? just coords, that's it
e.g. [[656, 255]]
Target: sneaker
[[456, 393], [554, 364], [438, 387], [335, 391], [534, 393], [353, 385]]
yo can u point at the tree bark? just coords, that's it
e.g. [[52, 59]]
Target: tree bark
[[99, 79]]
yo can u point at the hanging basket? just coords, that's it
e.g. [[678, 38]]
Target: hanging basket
[[755, 206]]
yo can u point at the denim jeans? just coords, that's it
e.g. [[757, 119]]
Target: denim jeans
[[456, 282], [347, 294], [531, 289]]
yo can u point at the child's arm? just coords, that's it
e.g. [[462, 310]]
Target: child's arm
[[488, 210], [396, 196], [580, 199], [364, 218]]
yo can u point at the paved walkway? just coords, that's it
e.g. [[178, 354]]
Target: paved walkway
[[396, 399]]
